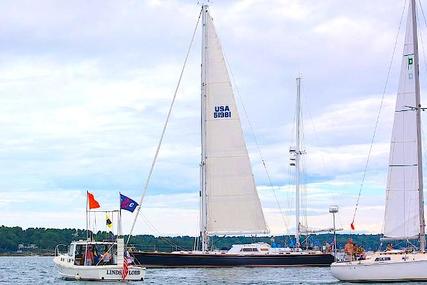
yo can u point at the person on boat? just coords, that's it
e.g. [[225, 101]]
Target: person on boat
[[360, 253], [89, 256], [327, 247], [106, 257], [129, 258], [389, 247], [96, 256], [349, 249]]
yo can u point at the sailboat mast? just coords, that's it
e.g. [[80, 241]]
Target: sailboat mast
[[203, 194], [297, 163], [419, 141]]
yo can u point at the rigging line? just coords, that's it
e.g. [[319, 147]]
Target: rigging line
[[164, 127], [153, 228], [303, 161], [316, 135], [304, 192], [164, 239], [422, 12], [283, 216], [378, 116], [425, 66], [421, 35]]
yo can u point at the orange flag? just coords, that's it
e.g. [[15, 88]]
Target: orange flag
[[93, 204]]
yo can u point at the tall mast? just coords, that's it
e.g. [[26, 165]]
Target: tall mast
[[203, 194], [297, 163], [419, 141]]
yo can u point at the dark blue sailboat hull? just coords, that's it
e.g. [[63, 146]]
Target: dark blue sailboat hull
[[161, 259]]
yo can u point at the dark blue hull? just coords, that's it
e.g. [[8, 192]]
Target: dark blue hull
[[159, 259]]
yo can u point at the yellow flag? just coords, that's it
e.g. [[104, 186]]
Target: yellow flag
[[108, 221]]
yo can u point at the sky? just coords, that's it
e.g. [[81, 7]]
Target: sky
[[85, 87]]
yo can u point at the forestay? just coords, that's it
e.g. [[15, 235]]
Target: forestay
[[402, 220], [233, 206]]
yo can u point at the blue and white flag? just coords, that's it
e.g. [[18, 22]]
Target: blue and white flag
[[127, 203]]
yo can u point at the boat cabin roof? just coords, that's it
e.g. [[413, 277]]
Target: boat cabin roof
[[84, 242], [250, 247], [257, 245]]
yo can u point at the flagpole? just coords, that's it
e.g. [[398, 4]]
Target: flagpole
[[119, 237], [87, 224], [119, 227]]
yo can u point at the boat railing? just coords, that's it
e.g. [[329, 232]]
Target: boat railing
[[58, 247], [159, 248]]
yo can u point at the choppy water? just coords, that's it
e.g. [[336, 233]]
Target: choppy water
[[40, 270]]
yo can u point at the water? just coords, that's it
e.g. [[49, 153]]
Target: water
[[40, 270]]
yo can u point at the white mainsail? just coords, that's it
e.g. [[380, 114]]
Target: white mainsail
[[402, 213], [232, 203]]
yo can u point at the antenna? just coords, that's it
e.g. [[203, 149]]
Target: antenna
[[203, 2]]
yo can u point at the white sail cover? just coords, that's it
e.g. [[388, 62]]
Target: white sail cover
[[233, 206], [402, 198]]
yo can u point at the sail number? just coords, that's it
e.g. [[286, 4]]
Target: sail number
[[222, 112]]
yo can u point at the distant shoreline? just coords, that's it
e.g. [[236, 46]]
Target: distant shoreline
[[16, 241], [14, 254]]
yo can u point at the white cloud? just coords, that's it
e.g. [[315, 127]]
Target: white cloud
[[85, 88]]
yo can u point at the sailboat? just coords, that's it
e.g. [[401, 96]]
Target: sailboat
[[229, 203], [404, 210], [296, 152]]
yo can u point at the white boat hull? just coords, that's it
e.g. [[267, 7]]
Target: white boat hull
[[68, 270], [400, 267]]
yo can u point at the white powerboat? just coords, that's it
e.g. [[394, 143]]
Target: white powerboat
[[73, 265], [388, 266], [404, 212], [92, 260]]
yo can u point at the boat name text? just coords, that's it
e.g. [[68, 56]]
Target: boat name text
[[119, 272]]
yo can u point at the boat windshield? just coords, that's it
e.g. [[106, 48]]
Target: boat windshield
[[95, 254], [71, 249]]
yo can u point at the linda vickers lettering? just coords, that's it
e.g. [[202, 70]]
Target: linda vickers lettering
[[222, 112], [119, 272]]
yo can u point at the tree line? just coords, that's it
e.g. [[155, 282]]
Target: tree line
[[44, 240]]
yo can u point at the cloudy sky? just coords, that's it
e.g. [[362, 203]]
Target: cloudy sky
[[85, 87]]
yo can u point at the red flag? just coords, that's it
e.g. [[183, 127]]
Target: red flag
[[352, 226], [93, 204], [125, 269]]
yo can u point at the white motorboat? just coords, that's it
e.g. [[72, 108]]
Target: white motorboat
[[404, 212], [71, 265], [91, 260]]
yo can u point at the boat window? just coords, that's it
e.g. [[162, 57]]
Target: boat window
[[249, 249], [79, 254], [383, 258]]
